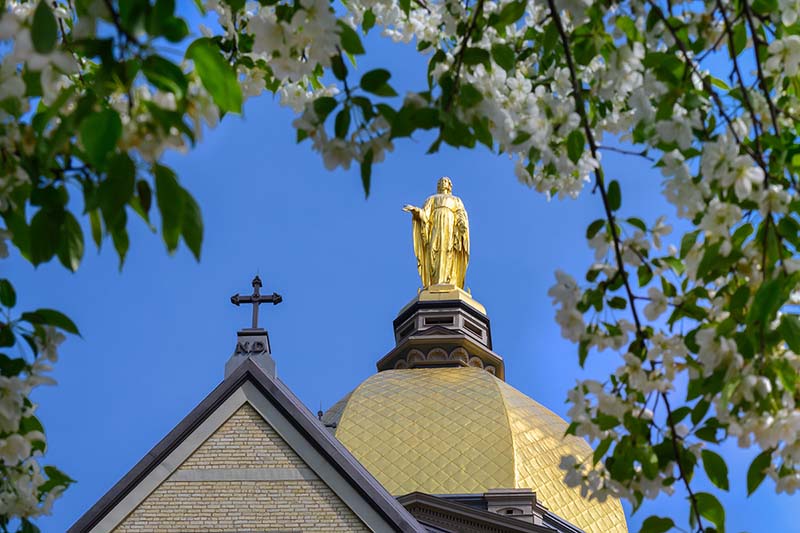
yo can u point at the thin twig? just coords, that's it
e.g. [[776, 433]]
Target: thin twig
[[118, 23], [773, 112], [642, 153], [745, 93], [461, 50]]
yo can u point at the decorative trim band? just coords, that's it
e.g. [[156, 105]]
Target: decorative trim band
[[244, 474]]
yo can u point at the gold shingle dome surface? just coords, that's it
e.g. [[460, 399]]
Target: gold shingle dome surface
[[462, 430]]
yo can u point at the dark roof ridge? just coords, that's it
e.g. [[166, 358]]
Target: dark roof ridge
[[301, 418]]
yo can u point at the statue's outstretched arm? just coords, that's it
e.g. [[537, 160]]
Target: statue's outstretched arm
[[414, 210]]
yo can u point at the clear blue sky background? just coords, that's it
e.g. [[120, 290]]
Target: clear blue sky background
[[156, 335]]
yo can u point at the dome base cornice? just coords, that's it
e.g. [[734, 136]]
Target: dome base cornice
[[443, 327]]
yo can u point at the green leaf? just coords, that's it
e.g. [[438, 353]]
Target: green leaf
[[787, 375], [99, 134], [679, 414], [645, 274], [765, 7], [687, 242], [575, 144], [375, 81], [217, 75], [369, 20], [510, 13], [758, 471], [739, 38], [30, 423], [601, 449], [8, 366], [649, 460], [715, 468], [70, 247], [719, 83], [476, 56], [675, 264], [131, 14], [614, 195], [789, 329], [583, 352], [145, 196], [96, 226], [351, 43], [708, 434], [44, 234], [765, 302], [51, 317], [56, 478], [192, 225], [116, 190], [174, 29], [480, 126], [637, 223], [405, 6], [33, 82], [8, 297], [699, 411], [657, 524], [235, 5], [710, 508], [366, 171], [338, 67], [628, 27], [469, 96], [504, 56], [550, 39], [119, 236], [160, 20], [595, 227], [342, 123], [618, 302], [170, 200], [165, 75], [44, 30], [323, 107]]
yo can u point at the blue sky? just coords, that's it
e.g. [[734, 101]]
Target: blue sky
[[156, 335]]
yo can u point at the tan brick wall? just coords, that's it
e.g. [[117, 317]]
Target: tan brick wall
[[246, 441], [241, 506]]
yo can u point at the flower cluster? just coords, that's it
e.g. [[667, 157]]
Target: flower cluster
[[27, 489]]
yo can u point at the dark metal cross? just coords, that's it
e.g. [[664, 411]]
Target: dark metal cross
[[256, 299]]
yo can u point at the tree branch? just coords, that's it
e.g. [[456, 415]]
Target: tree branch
[[577, 92]]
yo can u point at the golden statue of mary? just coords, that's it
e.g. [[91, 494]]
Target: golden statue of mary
[[441, 237]]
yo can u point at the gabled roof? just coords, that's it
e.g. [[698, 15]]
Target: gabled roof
[[377, 505]]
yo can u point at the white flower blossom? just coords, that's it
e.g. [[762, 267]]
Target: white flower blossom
[[784, 56], [657, 305]]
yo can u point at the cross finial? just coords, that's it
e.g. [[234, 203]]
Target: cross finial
[[256, 299]]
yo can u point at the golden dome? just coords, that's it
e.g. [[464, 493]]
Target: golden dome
[[462, 431]]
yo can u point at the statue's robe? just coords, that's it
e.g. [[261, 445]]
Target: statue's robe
[[441, 241]]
